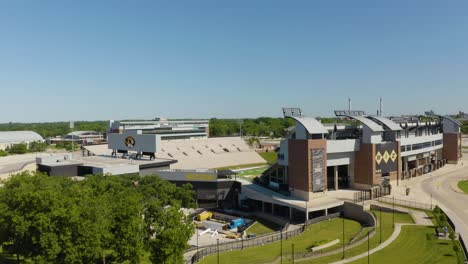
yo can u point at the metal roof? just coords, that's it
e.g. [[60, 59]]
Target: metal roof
[[311, 124], [387, 122], [79, 133], [452, 120], [19, 136], [368, 123]]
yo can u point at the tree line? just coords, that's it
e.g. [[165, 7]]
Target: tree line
[[52, 129], [258, 127], [263, 126], [102, 219]]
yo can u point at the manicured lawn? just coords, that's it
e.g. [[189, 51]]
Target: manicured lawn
[[271, 156], [315, 234], [415, 244], [250, 174], [242, 166], [463, 185], [387, 230], [262, 227]]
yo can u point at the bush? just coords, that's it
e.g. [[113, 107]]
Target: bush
[[21, 148], [67, 145], [3, 153], [37, 147]]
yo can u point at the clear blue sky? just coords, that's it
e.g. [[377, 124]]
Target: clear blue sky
[[97, 60]]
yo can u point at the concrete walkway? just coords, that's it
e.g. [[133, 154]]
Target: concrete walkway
[[385, 244], [419, 217]]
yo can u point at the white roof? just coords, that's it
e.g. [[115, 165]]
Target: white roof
[[388, 123], [368, 123], [19, 136], [79, 133], [311, 124]]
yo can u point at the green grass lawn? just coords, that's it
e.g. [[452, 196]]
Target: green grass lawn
[[319, 233], [271, 156], [242, 166], [387, 230], [250, 174], [415, 244], [262, 227], [463, 185]]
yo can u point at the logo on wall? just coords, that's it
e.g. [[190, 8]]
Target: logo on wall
[[129, 142], [386, 157]]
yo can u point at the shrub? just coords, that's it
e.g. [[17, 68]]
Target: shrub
[[21, 148], [37, 147], [3, 153]]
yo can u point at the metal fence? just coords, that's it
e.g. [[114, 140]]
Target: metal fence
[[371, 194], [257, 241], [391, 200], [322, 218], [243, 243]]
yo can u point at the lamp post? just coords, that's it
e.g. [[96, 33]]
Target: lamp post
[[217, 248], [292, 247], [380, 225], [393, 212], [343, 241], [281, 248], [368, 247]]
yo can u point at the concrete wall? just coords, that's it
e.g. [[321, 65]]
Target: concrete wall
[[368, 136], [117, 169], [356, 212], [345, 145], [336, 159], [284, 150]]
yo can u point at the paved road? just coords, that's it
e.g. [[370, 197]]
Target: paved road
[[453, 203], [439, 186], [16, 163]]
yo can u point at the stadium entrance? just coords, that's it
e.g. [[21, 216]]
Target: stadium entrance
[[337, 177]]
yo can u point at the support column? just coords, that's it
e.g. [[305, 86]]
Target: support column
[[290, 213], [272, 209], [335, 171], [307, 214], [263, 207]]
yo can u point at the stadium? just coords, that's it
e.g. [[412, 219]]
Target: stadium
[[179, 151], [320, 164], [356, 154]]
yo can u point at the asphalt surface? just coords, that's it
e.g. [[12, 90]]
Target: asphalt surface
[[439, 188]]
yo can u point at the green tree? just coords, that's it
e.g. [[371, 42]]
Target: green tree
[[168, 231], [107, 219]]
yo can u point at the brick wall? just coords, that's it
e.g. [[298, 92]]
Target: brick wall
[[452, 147], [300, 160]]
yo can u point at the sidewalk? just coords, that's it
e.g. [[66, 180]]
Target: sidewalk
[[387, 242]]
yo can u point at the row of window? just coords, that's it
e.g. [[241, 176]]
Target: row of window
[[421, 145]]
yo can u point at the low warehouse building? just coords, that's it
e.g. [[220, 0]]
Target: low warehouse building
[[9, 138]]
